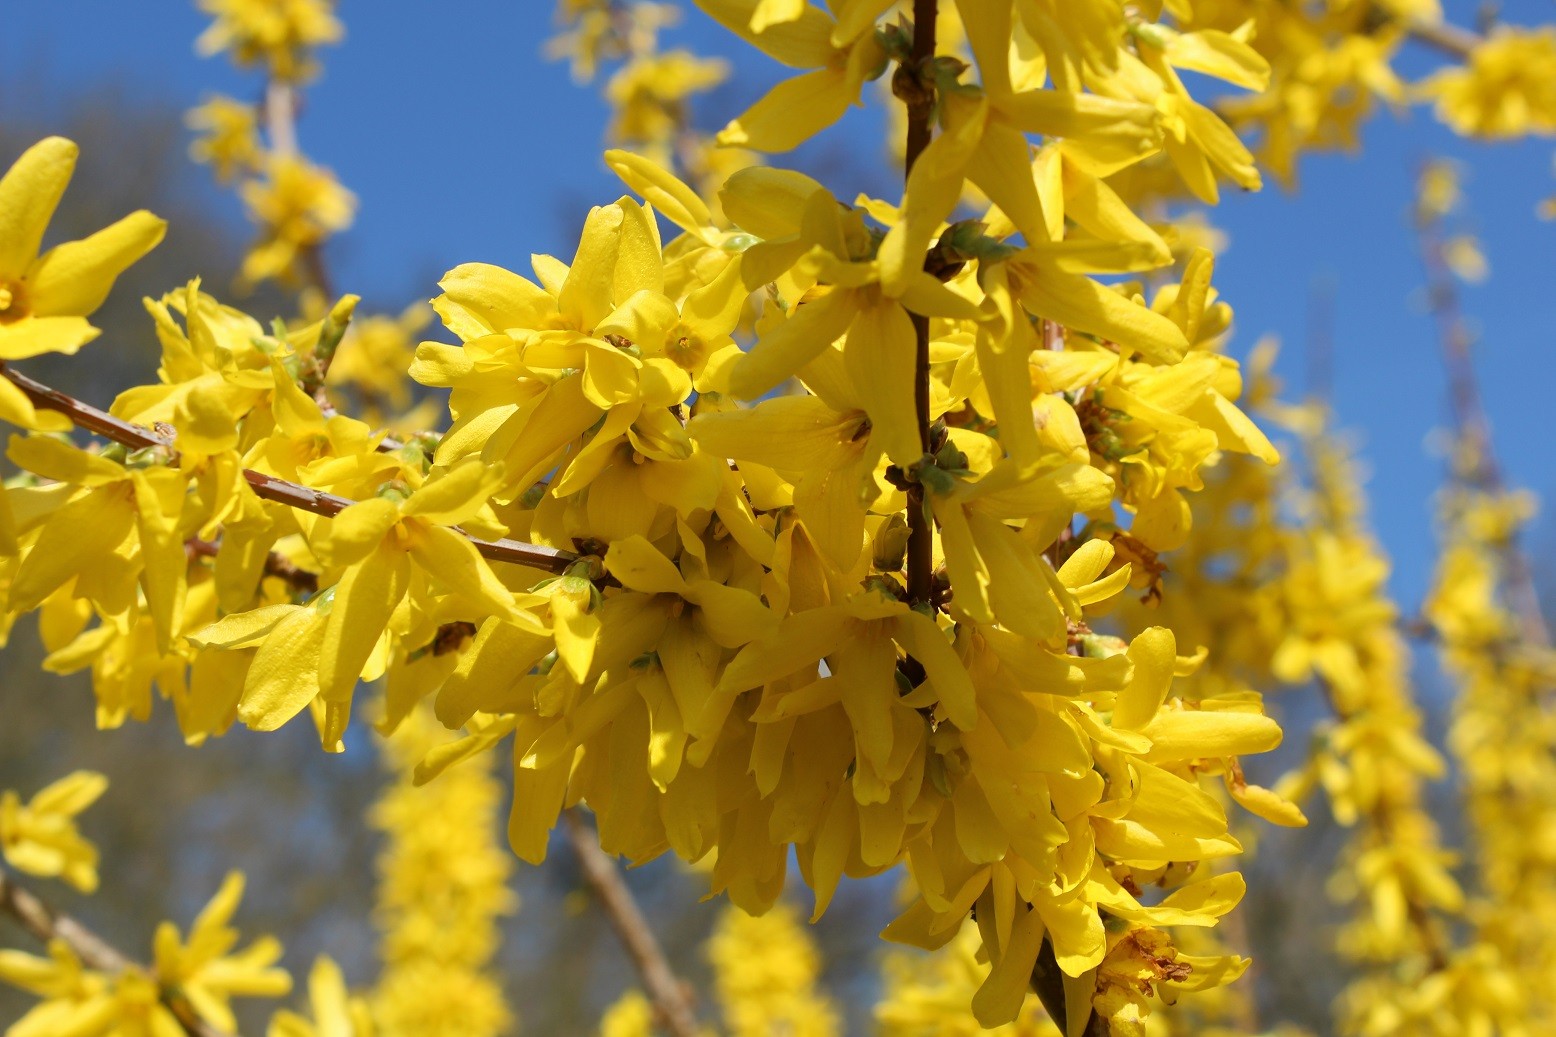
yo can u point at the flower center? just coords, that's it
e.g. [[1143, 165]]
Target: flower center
[[13, 302]]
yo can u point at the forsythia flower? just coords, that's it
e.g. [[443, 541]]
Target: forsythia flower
[[40, 837], [45, 299], [630, 1015], [334, 1012], [1507, 88], [203, 968], [229, 137], [76, 1000], [374, 355], [840, 54], [280, 33], [296, 206]]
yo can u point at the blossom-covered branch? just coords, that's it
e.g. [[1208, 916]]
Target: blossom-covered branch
[[282, 491]]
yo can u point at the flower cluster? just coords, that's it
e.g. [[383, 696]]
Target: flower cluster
[[443, 888], [777, 528]]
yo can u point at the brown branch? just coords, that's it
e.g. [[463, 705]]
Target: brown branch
[[1450, 39], [280, 111], [277, 565], [269, 487], [914, 85], [664, 989], [46, 924]]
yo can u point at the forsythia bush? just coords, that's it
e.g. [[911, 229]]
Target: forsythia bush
[[935, 534]]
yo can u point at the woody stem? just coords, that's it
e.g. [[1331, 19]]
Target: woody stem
[[917, 93]]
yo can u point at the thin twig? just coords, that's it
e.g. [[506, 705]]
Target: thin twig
[[280, 110], [664, 989], [277, 565], [45, 924], [1473, 424], [269, 487], [1450, 39]]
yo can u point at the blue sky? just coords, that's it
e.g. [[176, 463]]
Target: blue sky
[[463, 143]]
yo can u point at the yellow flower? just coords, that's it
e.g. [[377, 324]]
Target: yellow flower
[[335, 1013], [375, 353], [278, 32], [630, 1015], [113, 527], [389, 547], [41, 838], [229, 136], [1507, 88], [926, 994], [45, 299], [78, 1001], [840, 52], [206, 972], [297, 206]]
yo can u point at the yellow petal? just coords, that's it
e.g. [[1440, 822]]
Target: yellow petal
[[28, 194], [585, 296], [1153, 652], [501, 654], [1003, 345], [791, 112], [363, 601], [34, 336], [71, 794], [732, 617], [769, 203], [1078, 302], [1182, 734], [879, 356], [784, 350], [479, 298], [1219, 54], [678, 202], [17, 409], [159, 502], [999, 999], [356, 532], [1086, 564], [453, 494], [640, 566], [284, 676], [73, 279], [454, 562], [63, 461], [77, 536], [934, 187], [802, 42], [1269, 805], [925, 641]]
